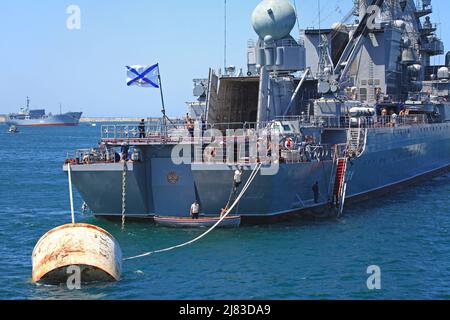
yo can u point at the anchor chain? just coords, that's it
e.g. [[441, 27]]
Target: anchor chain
[[124, 193]]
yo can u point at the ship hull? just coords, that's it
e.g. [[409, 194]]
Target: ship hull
[[393, 158], [67, 119]]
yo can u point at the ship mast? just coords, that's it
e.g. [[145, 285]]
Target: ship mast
[[225, 37]]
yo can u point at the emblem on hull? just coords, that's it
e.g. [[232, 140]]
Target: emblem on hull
[[173, 178]]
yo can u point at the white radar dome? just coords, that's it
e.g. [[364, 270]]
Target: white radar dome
[[276, 18], [443, 73]]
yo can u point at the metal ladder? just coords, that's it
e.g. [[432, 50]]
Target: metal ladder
[[357, 139], [340, 185]]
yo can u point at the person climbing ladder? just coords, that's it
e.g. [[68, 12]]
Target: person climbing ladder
[[237, 179]]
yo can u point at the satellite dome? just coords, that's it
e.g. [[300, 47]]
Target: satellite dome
[[443, 73], [275, 18]]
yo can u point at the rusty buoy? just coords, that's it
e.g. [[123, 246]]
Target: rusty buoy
[[91, 249]]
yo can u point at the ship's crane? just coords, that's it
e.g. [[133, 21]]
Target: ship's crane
[[339, 74]]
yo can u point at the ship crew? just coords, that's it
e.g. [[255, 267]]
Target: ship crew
[[384, 114], [237, 179], [142, 129], [187, 118], [289, 143], [195, 210], [394, 119], [269, 147], [86, 158], [223, 211], [316, 192], [190, 125], [125, 149], [203, 124]]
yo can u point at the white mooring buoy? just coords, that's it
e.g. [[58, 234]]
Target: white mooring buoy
[[88, 248]]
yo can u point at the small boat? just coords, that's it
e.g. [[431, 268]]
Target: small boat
[[13, 129], [202, 222]]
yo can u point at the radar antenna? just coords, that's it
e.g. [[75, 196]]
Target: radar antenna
[[225, 37]]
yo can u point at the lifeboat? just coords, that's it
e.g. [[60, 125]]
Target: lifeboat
[[202, 222]]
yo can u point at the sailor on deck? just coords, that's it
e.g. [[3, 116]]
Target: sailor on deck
[[125, 149], [316, 192], [142, 129], [289, 143], [190, 125], [195, 210]]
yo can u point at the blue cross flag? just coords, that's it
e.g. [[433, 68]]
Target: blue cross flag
[[143, 76]]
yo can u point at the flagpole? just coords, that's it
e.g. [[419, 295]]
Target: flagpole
[[163, 110]]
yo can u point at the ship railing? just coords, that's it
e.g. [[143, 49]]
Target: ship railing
[[363, 122], [95, 155], [394, 121], [133, 131], [173, 133], [318, 121], [181, 133], [220, 153], [103, 155]]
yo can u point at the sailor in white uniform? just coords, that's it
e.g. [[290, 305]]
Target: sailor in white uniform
[[195, 210], [237, 179]]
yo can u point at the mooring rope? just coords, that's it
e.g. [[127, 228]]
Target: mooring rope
[[244, 190], [72, 210]]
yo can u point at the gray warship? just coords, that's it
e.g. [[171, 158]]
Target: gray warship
[[27, 117], [343, 114]]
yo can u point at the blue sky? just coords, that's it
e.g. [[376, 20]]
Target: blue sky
[[85, 69]]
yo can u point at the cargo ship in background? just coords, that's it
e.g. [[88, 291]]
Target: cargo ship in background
[[38, 118], [359, 108]]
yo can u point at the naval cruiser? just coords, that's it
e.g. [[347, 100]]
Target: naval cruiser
[[343, 114], [38, 118]]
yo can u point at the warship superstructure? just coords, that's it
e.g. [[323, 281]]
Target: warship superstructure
[[27, 117], [342, 114]]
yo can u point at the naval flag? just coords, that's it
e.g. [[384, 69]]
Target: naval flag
[[143, 76]]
